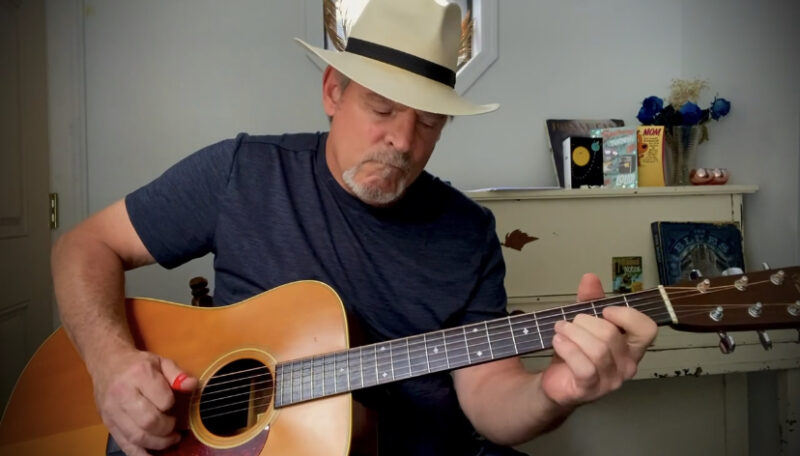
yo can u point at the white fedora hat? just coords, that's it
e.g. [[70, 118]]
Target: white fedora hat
[[407, 51]]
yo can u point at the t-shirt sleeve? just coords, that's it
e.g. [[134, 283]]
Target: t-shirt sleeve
[[489, 298], [176, 214]]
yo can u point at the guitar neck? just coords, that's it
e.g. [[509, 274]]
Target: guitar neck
[[399, 359]]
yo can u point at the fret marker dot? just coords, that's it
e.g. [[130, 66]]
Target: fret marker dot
[[474, 330], [383, 348], [525, 331], [436, 349], [341, 369], [480, 353], [384, 375]]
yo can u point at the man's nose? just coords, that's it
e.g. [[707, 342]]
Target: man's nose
[[401, 130]]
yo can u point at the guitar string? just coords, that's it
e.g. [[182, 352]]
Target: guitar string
[[482, 336], [512, 317], [304, 386], [411, 346], [556, 317], [305, 369]]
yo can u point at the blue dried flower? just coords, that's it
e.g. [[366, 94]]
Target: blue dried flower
[[651, 106], [720, 107], [690, 113]]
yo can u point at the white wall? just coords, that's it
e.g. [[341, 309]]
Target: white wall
[[165, 78], [751, 52]]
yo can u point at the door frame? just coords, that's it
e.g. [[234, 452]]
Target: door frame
[[66, 83]]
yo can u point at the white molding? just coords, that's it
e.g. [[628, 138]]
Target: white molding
[[66, 67], [484, 48]]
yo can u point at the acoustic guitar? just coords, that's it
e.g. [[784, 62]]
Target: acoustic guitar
[[276, 370]]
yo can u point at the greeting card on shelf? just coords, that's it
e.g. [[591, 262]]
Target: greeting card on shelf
[[650, 141]]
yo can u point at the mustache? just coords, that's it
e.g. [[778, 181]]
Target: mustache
[[389, 157]]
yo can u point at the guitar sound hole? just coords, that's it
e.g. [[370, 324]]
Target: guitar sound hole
[[235, 396]]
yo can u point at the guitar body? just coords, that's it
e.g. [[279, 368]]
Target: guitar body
[[52, 410]]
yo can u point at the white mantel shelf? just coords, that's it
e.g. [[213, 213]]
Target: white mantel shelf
[[522, 194]]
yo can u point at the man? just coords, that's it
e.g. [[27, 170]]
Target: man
[[355, 209]]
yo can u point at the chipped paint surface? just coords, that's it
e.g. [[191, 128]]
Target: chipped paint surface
[[686, 372], [517, 239]]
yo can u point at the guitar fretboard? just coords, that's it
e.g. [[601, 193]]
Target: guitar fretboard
[[385, 362]]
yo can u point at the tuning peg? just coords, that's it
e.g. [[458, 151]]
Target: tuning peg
[[765, 266], [695, 274], [726, 343], [763, 337]]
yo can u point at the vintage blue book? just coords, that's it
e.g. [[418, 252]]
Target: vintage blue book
[[710, 248]]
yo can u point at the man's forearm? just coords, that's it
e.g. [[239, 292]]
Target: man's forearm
[[509, 407], [89, 286]]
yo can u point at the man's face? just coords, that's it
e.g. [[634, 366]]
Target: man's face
[[376, 147]]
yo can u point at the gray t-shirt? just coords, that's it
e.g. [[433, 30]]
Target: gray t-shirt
[[270, 211]]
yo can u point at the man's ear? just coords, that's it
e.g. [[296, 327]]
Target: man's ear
[[331, 90]]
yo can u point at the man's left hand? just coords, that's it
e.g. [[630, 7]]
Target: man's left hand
[[593, 356]]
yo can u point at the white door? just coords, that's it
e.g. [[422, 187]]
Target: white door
[[25, 290]]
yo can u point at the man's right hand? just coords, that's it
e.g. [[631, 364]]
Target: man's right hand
[[133, 393]]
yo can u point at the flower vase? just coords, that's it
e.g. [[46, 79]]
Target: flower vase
[[680, 153]]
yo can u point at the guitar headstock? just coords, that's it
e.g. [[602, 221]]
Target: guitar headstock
[[760, 300]]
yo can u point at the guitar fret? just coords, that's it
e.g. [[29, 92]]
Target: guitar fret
[[501, 339], [369, 366], [418, 355], [297, 381], [279, 385], [546, 320], [384, 374], [347, 368], [455, 345], [341, 384], [466, 344], [522, 328], [513, 338], [401, 366], [391, 359], [305, 380], [354, 369], [477, 340], [329, 376], [489, 342], [538, 330], [318, 377], [436, 352], [594, 309], [425, 346]]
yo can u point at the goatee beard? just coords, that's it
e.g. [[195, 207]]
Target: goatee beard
[[374, 195]]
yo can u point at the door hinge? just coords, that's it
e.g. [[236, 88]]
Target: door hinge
[[53, 211]]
